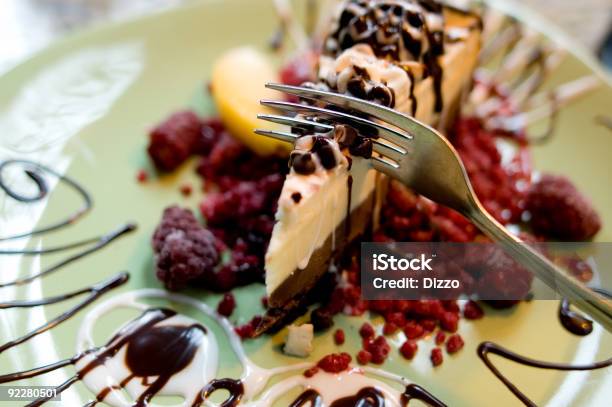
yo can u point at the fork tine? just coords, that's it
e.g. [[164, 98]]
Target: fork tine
[[391, 134], [385, 166], [385, 114], [388, 150], [278, 135], [296, 122]]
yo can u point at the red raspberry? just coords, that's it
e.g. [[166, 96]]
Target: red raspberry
[[472, 310], [454, 343], [339, 336], [409, 349], [364, 357], [174, 140], [440, 337], [389, 328], [449, 321], [560, 211], [227, 305], [335, 362], [379, 348], [436, 357], [366, 331], [428, 324], [413, 330]]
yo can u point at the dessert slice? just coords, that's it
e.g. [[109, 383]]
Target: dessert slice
[[413, 56]]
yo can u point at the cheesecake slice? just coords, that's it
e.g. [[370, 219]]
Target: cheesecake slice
[[414, 56]]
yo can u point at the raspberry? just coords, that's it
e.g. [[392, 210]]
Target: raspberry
[[311, 371], [184, 250], [335, 362], [366, 331], [379, 348], [409, 349], [389, 328], [449, 321], [364, 357], [413, 330], [560, 211], [472, 310], [440, 337], [174, 140], [454, 343], [227, 305], [339, 337], [436, 357]]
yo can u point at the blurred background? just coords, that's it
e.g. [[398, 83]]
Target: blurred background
[[28, 25]]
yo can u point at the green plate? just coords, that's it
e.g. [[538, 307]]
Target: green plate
[[84, 106]]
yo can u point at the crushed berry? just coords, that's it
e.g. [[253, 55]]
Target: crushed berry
[[186, 189], [379, 348], [335, 362], [560, 211], [142, 176], [389, 328], [311, 371], [174, 140], [339, 337], [184, 249], [364, 357], [366, 331], [436, 357], [227, 305], [440, 337], [472, 310], [247, 330], [413, 330], [449, 321], [409, 349], [454, 343]]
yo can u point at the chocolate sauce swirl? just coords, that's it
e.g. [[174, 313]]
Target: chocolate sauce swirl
[[35, 172], [486, 348]]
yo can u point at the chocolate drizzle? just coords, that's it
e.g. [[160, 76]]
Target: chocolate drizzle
[[367, 397], [485, 348], [234, 387], [416, 392], [35, 171], [309, 397], [574, 322]]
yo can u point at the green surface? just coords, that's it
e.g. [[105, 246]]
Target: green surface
[[161, 64]]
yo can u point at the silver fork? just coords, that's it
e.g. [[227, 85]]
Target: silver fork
[[418, 156]]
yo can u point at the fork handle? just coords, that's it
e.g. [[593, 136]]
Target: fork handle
[[599, 308]]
